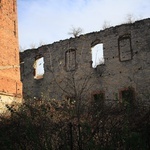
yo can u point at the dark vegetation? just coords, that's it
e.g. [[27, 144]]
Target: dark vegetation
[[63, 125]]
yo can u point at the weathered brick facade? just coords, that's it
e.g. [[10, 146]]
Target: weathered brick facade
[[68, 71], [10, 84]]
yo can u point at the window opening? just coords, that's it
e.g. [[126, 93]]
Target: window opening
[[97, 55], [70, 58], [99, 98], [125, 50], [127, 96], [39, 68]]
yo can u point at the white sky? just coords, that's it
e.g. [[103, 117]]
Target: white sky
[[47, 21], [97, 55], [39, 66]]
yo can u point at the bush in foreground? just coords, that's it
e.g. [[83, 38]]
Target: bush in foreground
[[61, 125]]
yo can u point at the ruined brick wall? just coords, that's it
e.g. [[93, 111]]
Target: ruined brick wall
[[126, 65], [10, 83]]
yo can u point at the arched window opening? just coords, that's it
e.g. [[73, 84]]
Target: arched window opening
[[97, 55], [125, 49], [70, 60], [39, 68]]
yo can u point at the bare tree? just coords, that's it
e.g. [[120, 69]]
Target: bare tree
[[33, 45], [73, 124], [106, 25], [75, 31], [41, 43], [130, 18]]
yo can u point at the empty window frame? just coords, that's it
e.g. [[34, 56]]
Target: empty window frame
[[39, 68], [70, 60], [98, 98], [127, 96], [97, 55], [124, 46]]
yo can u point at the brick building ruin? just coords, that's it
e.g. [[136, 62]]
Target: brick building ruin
[[68, 71], [10, 84]]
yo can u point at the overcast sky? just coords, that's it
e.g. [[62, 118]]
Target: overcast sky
[[47, 21]]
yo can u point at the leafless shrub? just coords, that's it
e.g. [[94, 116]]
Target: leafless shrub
[[106, 25], [76, 31], [41, 43], [77, 122], [130, 18], [33, 45], [53, 125]]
